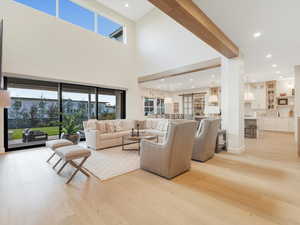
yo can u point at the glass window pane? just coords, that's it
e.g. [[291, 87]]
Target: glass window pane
[[79, 103], [76, 14], [47, 6], [33, 117], [109, 28], [109, 105]]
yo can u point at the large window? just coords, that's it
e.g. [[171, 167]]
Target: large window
[[47, 6], [160, 105], [33, 116], [109, 28], [188, 105], [78, 15], [149, 106], [39, 108], [79, 101], [109, 104]]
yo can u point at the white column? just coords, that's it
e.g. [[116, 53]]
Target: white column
[[232, 103], [2, 150], [297, 99]]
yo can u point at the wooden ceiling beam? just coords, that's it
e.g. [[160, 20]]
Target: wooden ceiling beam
[[189, 15]]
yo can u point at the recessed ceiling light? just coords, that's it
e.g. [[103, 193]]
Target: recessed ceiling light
[[280, 77], [278, 72], [191, 79], [274, 65], [257, 35], [126, 5], [269, 56]]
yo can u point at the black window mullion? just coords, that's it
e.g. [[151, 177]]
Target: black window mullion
[[60, 103], [97, 109]]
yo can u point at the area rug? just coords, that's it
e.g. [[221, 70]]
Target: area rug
[[109, 163]]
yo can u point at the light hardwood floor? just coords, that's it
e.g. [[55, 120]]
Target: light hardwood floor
[[259, 187]]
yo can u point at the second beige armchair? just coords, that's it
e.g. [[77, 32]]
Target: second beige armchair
[[173, 157], [205, 140]]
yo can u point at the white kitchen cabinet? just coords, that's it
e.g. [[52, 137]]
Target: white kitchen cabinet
[[282, 124]]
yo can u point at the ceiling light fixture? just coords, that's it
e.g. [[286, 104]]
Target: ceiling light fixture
[[269, 56], [126, 5], [280, 77], [191, 79], [274, 65], [257, 35]]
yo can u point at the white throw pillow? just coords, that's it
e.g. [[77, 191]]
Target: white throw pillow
[[154, 124], [118, 125], [161, 125]]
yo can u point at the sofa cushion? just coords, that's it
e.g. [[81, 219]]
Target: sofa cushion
[[155, 132], [101, 127], [114, 135], [118, 125], [154, 123], [110, 126], [127, 124], [91, 125], [141, 123]]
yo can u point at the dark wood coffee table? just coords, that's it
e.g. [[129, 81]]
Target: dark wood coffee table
[[128, 139]]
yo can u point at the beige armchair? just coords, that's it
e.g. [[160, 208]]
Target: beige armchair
[[205, 140], [173, 157]]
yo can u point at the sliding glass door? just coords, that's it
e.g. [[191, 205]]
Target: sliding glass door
[[109, 104], [33, 117], [79, 102], [39, 108]]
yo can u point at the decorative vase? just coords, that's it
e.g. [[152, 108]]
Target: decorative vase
[[75, 138]]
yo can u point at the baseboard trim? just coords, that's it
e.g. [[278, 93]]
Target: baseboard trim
[[237, 150], [2, 151]]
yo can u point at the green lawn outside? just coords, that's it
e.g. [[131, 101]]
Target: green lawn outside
[[51, 131]]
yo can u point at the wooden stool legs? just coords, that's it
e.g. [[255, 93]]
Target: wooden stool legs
[[78, 168]]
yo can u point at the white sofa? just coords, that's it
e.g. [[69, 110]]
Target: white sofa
[[108, 133]]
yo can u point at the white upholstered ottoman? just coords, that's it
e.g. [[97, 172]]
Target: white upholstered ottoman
[[70, 153], [55, 144]]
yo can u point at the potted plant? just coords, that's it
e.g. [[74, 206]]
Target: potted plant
[[71, 127]]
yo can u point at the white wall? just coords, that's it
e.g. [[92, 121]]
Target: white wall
[[163, 44], [42, 46]]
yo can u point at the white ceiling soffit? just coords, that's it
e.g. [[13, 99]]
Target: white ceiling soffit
[[132, 9], [276, 20], [201, 79]]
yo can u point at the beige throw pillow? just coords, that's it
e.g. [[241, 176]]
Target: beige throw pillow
[[110, 127], [91, 125], [101, 127]]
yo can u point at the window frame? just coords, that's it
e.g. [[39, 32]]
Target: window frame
[[95, 19]]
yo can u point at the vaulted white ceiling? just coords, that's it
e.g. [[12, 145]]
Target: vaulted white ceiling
[[132, 9], [276, 20]]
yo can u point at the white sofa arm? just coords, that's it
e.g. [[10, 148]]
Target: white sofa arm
[[92, 139]]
